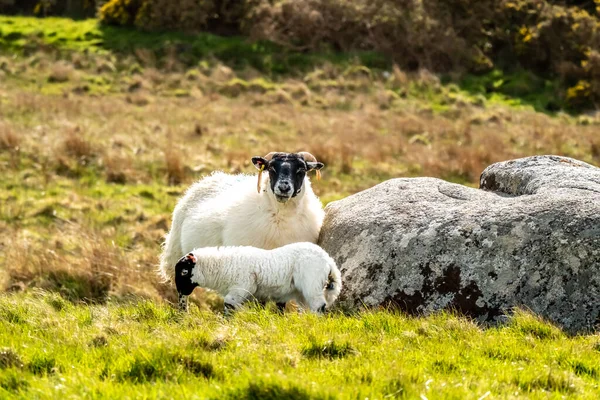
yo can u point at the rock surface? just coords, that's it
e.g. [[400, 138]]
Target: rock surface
[[530, 238]]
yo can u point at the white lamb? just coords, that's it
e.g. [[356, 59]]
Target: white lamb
[[303, 272]]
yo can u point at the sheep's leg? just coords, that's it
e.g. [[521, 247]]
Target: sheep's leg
[[280, 307], [300, 301]]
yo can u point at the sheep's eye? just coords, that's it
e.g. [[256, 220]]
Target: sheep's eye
[[184, 272]]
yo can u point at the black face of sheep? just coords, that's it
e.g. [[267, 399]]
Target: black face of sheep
[[183, 279], [286, 172]]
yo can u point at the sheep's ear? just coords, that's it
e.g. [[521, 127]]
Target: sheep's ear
[[259, 162], [314, 165]]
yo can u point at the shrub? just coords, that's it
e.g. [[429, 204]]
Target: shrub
[[186, 15], [71, 8], [432, 34], [119, 12], [551, 40], [155, 15]]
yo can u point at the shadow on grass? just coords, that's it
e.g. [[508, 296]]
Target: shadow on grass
[[161, 365], [271, 391]]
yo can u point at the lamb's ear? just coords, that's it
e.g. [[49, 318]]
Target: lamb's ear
[[259, 162], [314, 165]]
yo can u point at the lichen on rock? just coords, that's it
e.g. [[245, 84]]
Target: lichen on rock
[[530, 237]]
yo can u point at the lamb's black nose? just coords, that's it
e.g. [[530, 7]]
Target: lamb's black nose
[[188, 259]]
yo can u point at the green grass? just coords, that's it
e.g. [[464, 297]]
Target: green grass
[[519, 87], [143, 349], [19, 33]]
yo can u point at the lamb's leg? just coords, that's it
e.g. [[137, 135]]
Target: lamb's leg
[[317, 304], [183, 302], [228, 309], [235, 298]]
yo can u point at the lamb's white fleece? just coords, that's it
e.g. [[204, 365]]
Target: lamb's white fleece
[[303, 272]]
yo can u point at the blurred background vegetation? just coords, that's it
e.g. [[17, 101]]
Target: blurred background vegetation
[[522, 48]]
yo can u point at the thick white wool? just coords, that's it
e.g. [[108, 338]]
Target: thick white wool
[[303, 272]]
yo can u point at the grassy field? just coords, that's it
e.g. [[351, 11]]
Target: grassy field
[[101, 130], [146, 350]]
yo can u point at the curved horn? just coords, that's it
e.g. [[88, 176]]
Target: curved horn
[[269, 156], [309, 157]]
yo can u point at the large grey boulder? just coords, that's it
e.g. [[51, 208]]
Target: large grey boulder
[[529, 237]]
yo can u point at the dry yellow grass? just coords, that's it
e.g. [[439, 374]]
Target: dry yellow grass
[[174, 165], [61, 72], [91, 188], [8, 139]]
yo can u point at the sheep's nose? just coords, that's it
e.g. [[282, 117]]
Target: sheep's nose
[[284, 187]]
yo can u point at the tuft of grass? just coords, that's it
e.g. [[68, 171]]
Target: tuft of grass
[[547, 382], [582, 368], [9, 358], [196, 367], [9, 140], [13, 382], [57, 302], [138, 99], [174, 166], [204, 343], [445, 367], [99, 341], [148, 311], [42, 364], [77, 146], [60, 73], [13, 315], [329, 349], [78, 287], [529, 324], [118, 168], [142, 370]]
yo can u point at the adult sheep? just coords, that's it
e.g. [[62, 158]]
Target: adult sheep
[[235, 210]]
